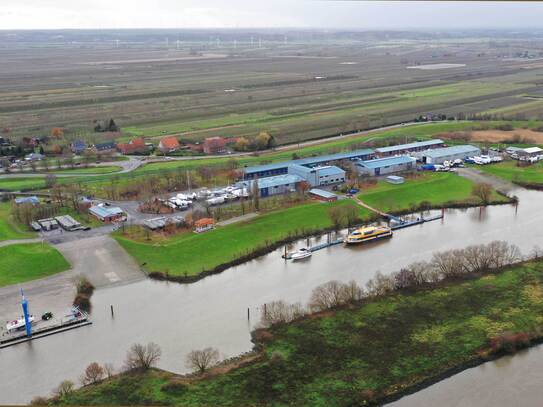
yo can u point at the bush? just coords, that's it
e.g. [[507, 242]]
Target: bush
[[509, 342], [174, 387]]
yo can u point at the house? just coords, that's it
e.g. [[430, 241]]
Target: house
[[135, 146], [320, 175], [402, 149], [33, 200], [214, 145], [388, 165], [107, 213], [440, 155], [168, 145], [323, 195], [105, 148], [203, 225], [78, 146], [280, 184]]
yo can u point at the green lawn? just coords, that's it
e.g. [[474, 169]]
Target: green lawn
[[190, 253], [90, 170], [508, 170], [25, 262], [9, 229], [436, 189], [356, 354]]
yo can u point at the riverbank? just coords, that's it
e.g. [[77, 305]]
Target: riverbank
[[361, 354], [530, 177], [189, 257]]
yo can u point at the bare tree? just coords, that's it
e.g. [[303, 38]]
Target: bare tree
[[65, 388], [483, 192], [201, 360], [280, 312], [109, 370], [94, 373], [50, 180], [142, 357]]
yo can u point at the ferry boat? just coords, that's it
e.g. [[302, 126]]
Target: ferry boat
[[368, 234], [303, 253]]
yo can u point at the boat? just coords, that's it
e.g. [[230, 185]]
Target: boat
[[303, 253], [367, 234], [18, 324]]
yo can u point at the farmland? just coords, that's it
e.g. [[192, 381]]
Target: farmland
[[297, 91], [359, 354]]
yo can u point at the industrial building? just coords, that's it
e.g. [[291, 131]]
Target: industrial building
[[530, 152], [317, 176], [440, 155], [408, 148], [279, 184], [387, 165], [68, 223], [269, 170], [107, 213], [323, 195]]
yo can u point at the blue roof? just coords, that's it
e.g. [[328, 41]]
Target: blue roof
[[310, 160], [329, 170], [385, 162], [105, 211], [408, 146], [446, 151], [27, 199], [279, 180]]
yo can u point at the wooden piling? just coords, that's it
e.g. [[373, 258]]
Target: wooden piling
[[112, 313], [248, 314]]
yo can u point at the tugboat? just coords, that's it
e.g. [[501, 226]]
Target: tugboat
[[303, 253], [368, 234]]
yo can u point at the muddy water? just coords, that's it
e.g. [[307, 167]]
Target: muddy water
[[213, 311]]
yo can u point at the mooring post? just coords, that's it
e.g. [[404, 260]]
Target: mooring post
[[285, 255], [248, 314], [265, 313], [112, 314]]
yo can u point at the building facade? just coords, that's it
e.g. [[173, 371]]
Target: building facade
[[409, 148], [440, 155], [384, 166], [317, 176]]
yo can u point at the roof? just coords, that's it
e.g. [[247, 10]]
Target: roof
[[79, 144], [169, 142], [322, 193], [532, 150], [67, 221], [395, 178], [443, 152], [105, 211], [387, 161], [409, 146], [278, 180], [110, 145], [204, 222], [27, 199], [310, 160]]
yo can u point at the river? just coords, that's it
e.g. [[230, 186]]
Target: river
[[213, 311]]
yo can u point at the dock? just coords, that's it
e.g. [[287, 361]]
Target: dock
[[48, 330]]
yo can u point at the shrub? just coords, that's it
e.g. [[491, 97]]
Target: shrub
[[174, 387], [142, 357], [509, 342]]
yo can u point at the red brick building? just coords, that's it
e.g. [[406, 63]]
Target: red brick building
[[136, 146], [214, 145], [169, 144]]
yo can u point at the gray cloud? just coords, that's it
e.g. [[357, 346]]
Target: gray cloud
[[15, 14]]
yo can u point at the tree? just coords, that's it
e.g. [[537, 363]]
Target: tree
[[242, 144], [335, 215], [256, 194], [142, 357], [57, 132], [94, 373], [483, 192], [201, 360], [50, 180], [65, 388], [303, 187], [350, 213], [262, 140]]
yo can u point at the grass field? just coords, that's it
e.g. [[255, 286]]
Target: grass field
[[434, 189], [90, 170], [508, 170], [25, 262], [189, 254], [357, 354], [9, 229]]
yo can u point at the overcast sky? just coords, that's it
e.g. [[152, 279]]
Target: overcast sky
[[27, 14]]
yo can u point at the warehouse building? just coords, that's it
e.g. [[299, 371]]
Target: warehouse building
[[387, 165], [270, 170], [107, 213], [408, 148], [279, 184], [530, 152], [317, 176], [323, 195], [440, 155]]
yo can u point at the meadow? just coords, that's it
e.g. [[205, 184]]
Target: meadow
[[29, 261], [529, 176], [9, 229]]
